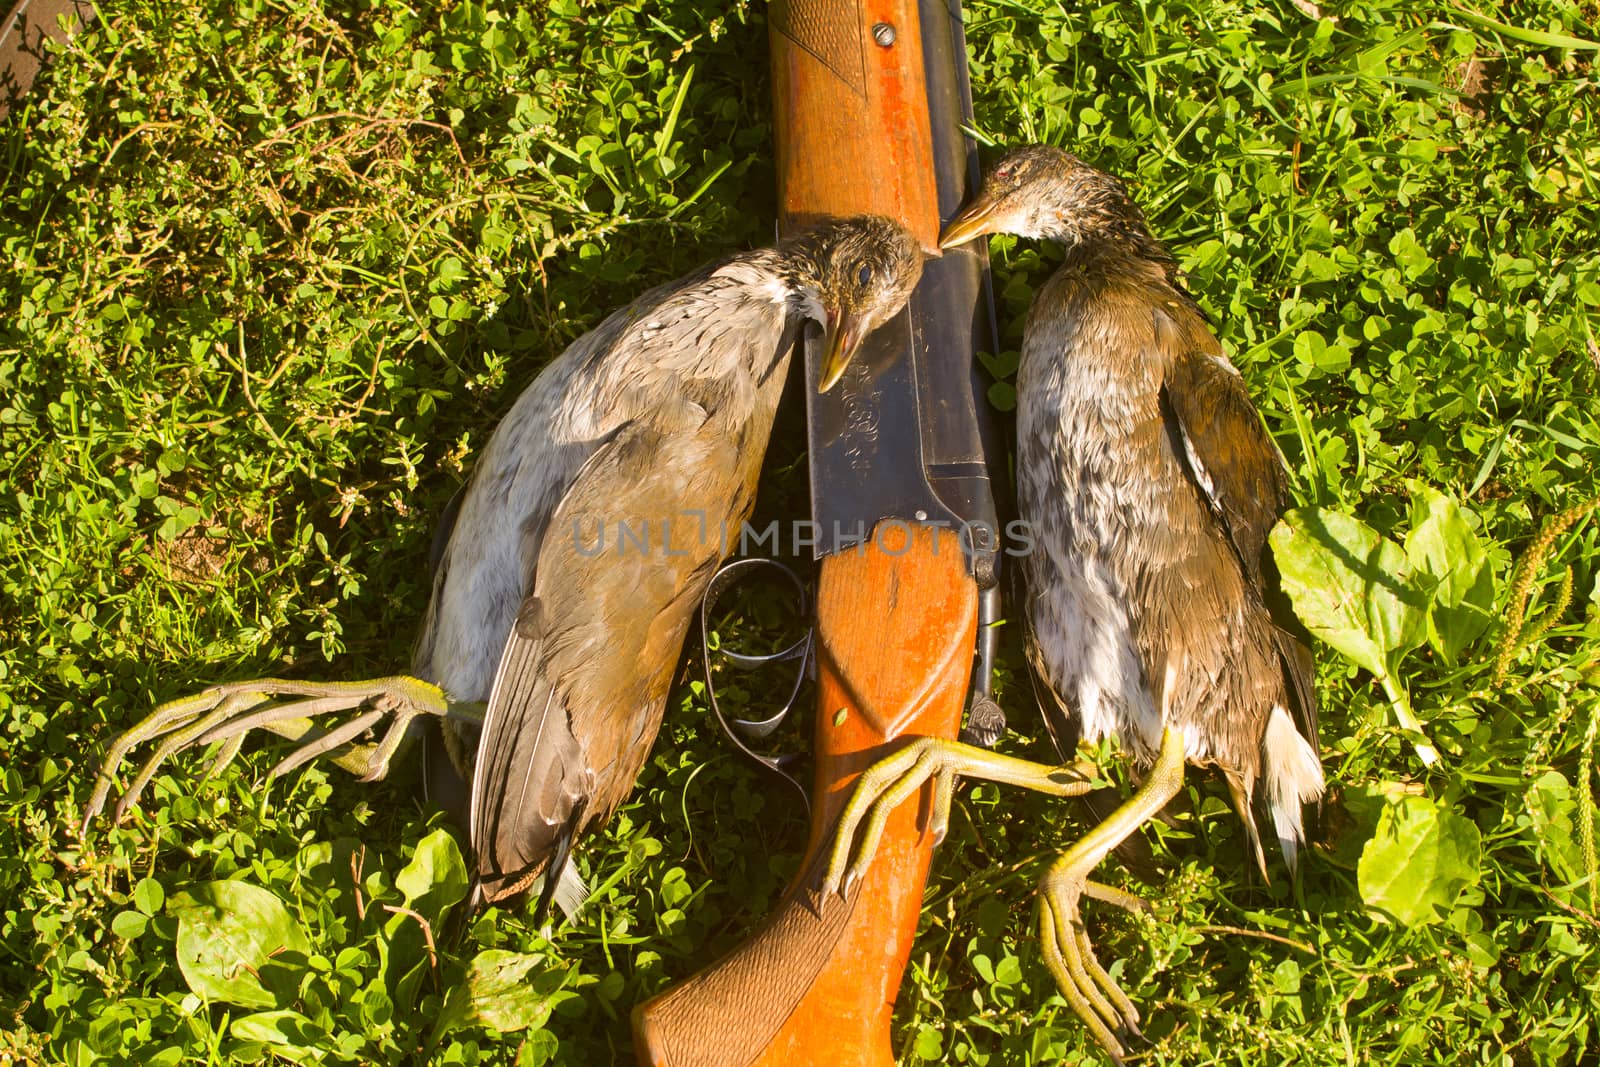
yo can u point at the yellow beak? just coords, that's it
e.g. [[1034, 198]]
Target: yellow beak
[[843, 338], [975, 221]]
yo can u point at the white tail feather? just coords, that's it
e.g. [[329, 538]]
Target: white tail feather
[[570, 893], [1293, 774]]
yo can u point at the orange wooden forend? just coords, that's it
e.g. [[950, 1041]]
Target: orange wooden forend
[[896, 626], [816, 982], [851, 115]]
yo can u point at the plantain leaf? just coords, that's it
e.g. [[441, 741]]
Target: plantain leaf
[[1351, 587], [288, 1033], [503, 991], [230, 934], [1443, 546], [435, 878], [1418, 861]]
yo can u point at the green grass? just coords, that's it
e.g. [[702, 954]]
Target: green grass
[[271, 272]]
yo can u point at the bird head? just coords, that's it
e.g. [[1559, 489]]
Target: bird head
[[1042, 191], [861, 271]]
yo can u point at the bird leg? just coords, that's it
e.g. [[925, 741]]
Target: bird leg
[[1064, 942], [1103, 1007], [895, 778], [226, 713]]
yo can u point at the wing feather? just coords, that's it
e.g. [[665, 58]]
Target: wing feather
[[1240, 472], [583, 680], [1230, 455]]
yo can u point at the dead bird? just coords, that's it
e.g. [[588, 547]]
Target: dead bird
[[1149, 485], [580, 549]]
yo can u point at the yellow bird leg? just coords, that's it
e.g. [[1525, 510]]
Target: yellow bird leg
[[1065, 944], [897, 777], [1067, 949], [226, 713]]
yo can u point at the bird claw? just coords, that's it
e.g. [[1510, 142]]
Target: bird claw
[[893, 780], [1069, 954], [881, 789], [226, 713]]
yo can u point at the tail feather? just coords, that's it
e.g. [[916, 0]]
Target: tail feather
[[562, 884], [528, 778], [1243, 793], [566, 889], [1293, 774]]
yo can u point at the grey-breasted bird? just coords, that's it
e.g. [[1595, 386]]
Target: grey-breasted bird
[[1150, 486], [584, 540]]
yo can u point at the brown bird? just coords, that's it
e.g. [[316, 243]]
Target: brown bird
[[1149, 486], [585, 538]]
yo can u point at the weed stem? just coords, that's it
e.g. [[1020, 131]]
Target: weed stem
[[1408, 720]]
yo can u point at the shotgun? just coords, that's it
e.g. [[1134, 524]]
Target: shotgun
[[869, 97]]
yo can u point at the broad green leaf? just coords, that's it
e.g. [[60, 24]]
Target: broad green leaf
[[288, 1033], [228, 935], [1553, 810], [1008, 972], [1442, 546], [435, 878], [403, 960], [1351, 587], [538, 1048], [1394, 606], [503, 991], [1419, 860], [377, 1009]]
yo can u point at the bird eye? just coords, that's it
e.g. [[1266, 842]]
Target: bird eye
[[865, 275]]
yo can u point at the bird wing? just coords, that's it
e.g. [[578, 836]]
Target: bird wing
[[684, 339], [584, 675], [1240, 472], [1229, 453]]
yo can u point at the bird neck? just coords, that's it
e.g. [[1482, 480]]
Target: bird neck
[[1112, 241], [1104, 221], [801, 271]]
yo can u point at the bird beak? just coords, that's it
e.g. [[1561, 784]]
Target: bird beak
[[843, 338], [977, 220]]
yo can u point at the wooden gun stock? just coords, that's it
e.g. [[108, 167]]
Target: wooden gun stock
[[853, 127], [816, 982]]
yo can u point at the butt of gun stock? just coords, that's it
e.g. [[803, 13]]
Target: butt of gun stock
[[850, 110], [816, 982]]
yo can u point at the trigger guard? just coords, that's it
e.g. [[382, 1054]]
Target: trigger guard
[[738, 730]]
